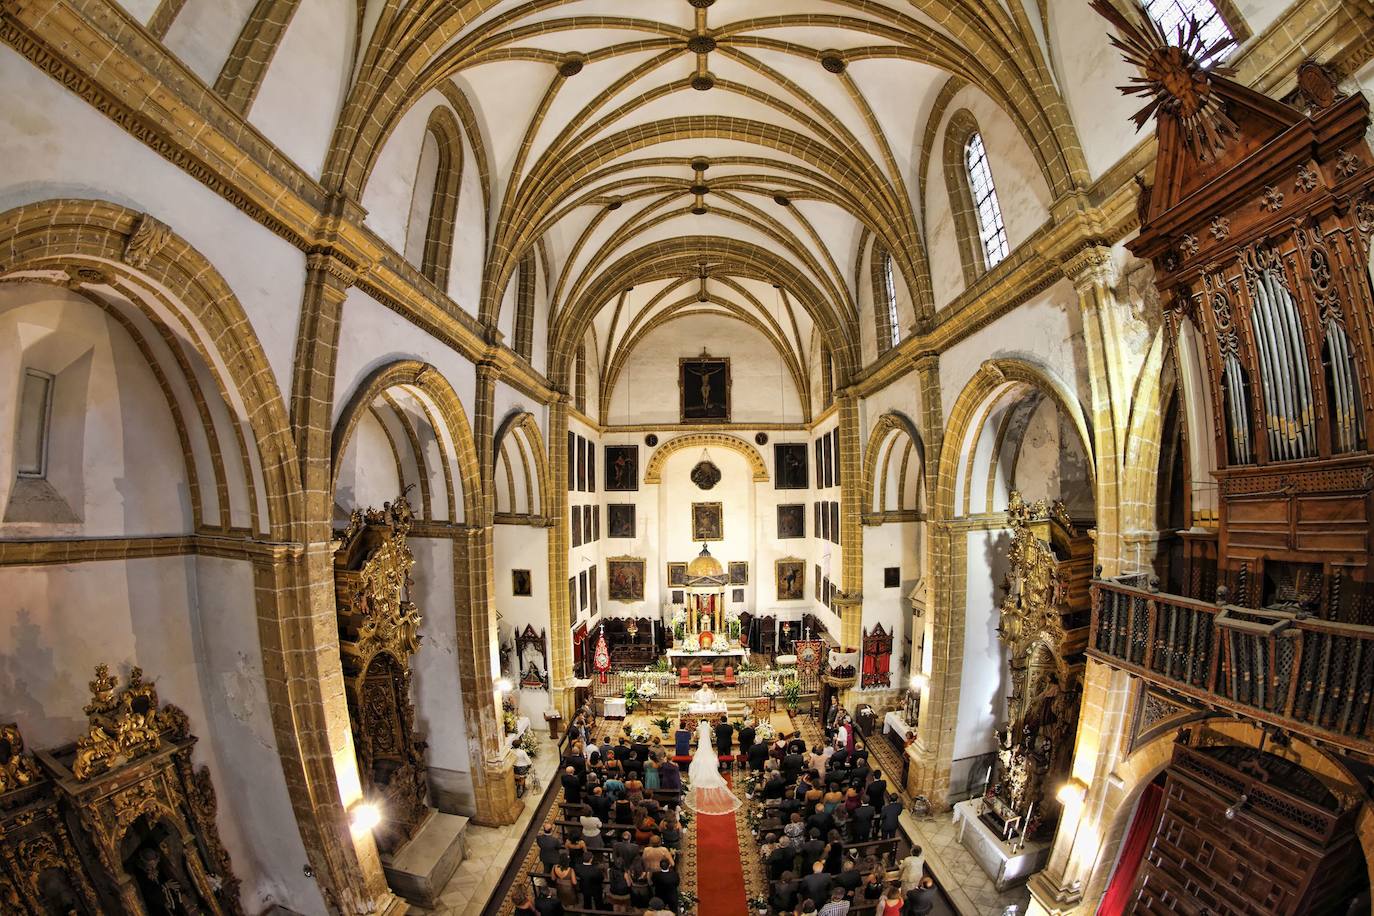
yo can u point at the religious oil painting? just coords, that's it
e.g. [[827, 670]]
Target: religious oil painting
[[677, 574], [792, 521], [736, 596], [789, 460], [593, 585], [582, 590], [625, 577], [620, 520], [708, 522], [739, 572], [679, 596], [520, 583], [704, 385], [622, 468], [791, 574]]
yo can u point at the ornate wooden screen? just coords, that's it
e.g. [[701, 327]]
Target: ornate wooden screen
[[877, 658], [1258, 224], [119, 822], [527, 640], [1246, 833], [378, 633]]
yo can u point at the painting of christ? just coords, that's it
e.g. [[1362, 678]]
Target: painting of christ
[[622, 467], [704, 387], [707, 522]]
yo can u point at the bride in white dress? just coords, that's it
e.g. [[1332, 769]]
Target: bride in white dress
[[708, 792]]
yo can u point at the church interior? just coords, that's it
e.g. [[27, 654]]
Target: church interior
[[382, 530]]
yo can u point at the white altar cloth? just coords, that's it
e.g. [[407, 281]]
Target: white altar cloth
[[893, 722], [613, 707], [1007, 864], [707, 709], [681, 656]]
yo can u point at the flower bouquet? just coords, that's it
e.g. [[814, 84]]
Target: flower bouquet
[[640, 733], [772, 687], [648, 688], [764, 732]]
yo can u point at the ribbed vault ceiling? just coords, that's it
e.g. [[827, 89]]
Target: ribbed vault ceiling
[[674, 157]]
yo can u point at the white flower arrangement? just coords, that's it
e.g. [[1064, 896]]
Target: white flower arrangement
[[691, 644], [648, 688], [772, 687], [764, 732], [640, 732]]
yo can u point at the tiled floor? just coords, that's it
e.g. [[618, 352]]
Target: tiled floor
[[490, 850]]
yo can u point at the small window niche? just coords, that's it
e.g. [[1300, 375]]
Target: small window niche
[[32, 498]]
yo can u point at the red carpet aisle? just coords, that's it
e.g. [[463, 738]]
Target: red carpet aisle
[[720, 871]]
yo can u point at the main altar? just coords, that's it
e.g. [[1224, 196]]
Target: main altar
[[704, 633]]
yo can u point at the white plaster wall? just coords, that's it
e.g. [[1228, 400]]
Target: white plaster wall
[[1022, 191], [142, 10], [982, 704], [203, 33], [525, 547], [893, 544], [367, 471], [303, 89], [197, 640], [1046, 331], [762, 390], [389, 189], [56, 146], [437, 694]]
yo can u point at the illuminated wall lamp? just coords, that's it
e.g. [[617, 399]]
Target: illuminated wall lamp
[[920, 681], [363, 817], [1072, 792], [504, 685]]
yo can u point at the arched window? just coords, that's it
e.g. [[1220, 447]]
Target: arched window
[[889, 331], [1170, 14], [524, 305], [434, 203], [992, 233]]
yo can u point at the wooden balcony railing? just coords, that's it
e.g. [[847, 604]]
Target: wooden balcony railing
[[1315, 677]]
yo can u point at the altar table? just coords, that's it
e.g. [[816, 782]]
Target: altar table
[[732, 656]]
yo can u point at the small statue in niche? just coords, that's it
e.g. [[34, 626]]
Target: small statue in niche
[[163, 892]]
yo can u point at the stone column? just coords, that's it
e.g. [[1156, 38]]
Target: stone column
[[560, 615], [1080, 849], [493, 780], [298, 626], [850, 604]]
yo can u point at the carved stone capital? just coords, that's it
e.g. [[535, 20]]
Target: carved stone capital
[[146, 239], [334, 265], [1089, 265]]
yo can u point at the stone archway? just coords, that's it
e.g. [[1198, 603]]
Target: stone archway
[[653, 472]]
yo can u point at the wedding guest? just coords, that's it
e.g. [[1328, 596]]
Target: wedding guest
[[651, 774], [670, 776], [838, 906], [892, 904], [920, 899], [657, 908], [746, 739], [912, 869], [784, 894], [565, 881], [641, 886], [549, 847], [892, 812], [655, 853], [849, 878], [546, 903], [591, 830], [572, 786], [816, 886], [592, 883], [666, 883]]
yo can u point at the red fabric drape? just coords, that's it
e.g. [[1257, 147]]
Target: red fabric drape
[[1117, 898]]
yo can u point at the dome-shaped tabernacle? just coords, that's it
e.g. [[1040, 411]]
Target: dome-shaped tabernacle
[[704, 565]]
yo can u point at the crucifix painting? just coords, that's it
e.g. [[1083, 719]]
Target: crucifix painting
[[704, 385]]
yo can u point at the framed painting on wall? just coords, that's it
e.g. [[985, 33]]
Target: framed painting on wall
[[792, 521], [625, 578], [820, 464], [739, 572], [592, 587], [520, 583], [789, 459], [575, 525], [678, 596], [835, 522], [737, 595], [620, 520], [791, 579], [583, 602], [622, 468], [704, 389], [572, 595], [835, 454], [818, 582], [677, 575], [588, 532], [572, 460], [708, 522], [580, 462], [892, 576]]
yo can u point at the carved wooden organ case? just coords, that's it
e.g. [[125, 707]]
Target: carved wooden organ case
[[379, 632], [119, 822], [1260, 238]]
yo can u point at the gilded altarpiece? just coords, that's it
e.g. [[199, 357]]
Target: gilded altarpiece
[[1035, 745], [119, 822], [379, 633]]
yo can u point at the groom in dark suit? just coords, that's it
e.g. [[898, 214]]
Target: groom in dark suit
[[725, 736]]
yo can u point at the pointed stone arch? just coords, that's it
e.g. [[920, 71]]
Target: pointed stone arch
[[883, 443], [519, 446]]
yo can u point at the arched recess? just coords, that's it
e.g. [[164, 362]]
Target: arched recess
[[522, 470], [432, 398], [129, 261], [894, 470], [653, 472], [977, 434], [181, 312]]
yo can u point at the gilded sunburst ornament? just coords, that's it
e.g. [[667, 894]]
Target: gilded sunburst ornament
[[1175, 77]]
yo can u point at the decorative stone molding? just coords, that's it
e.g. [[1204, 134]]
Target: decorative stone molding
[[653, 473], [145, 241]]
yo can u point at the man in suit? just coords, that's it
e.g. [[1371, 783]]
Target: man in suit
[[877, 789], [669, 776], [792, 766], [892, 811], [746, 739], [600, 804], [812, 849], [549, 847], [849, 878], [920, 899], [816, 886], [725, 737], [781, 859], [666, 882], [861, 822], [627, 851], [591, 881], [572, 786]]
